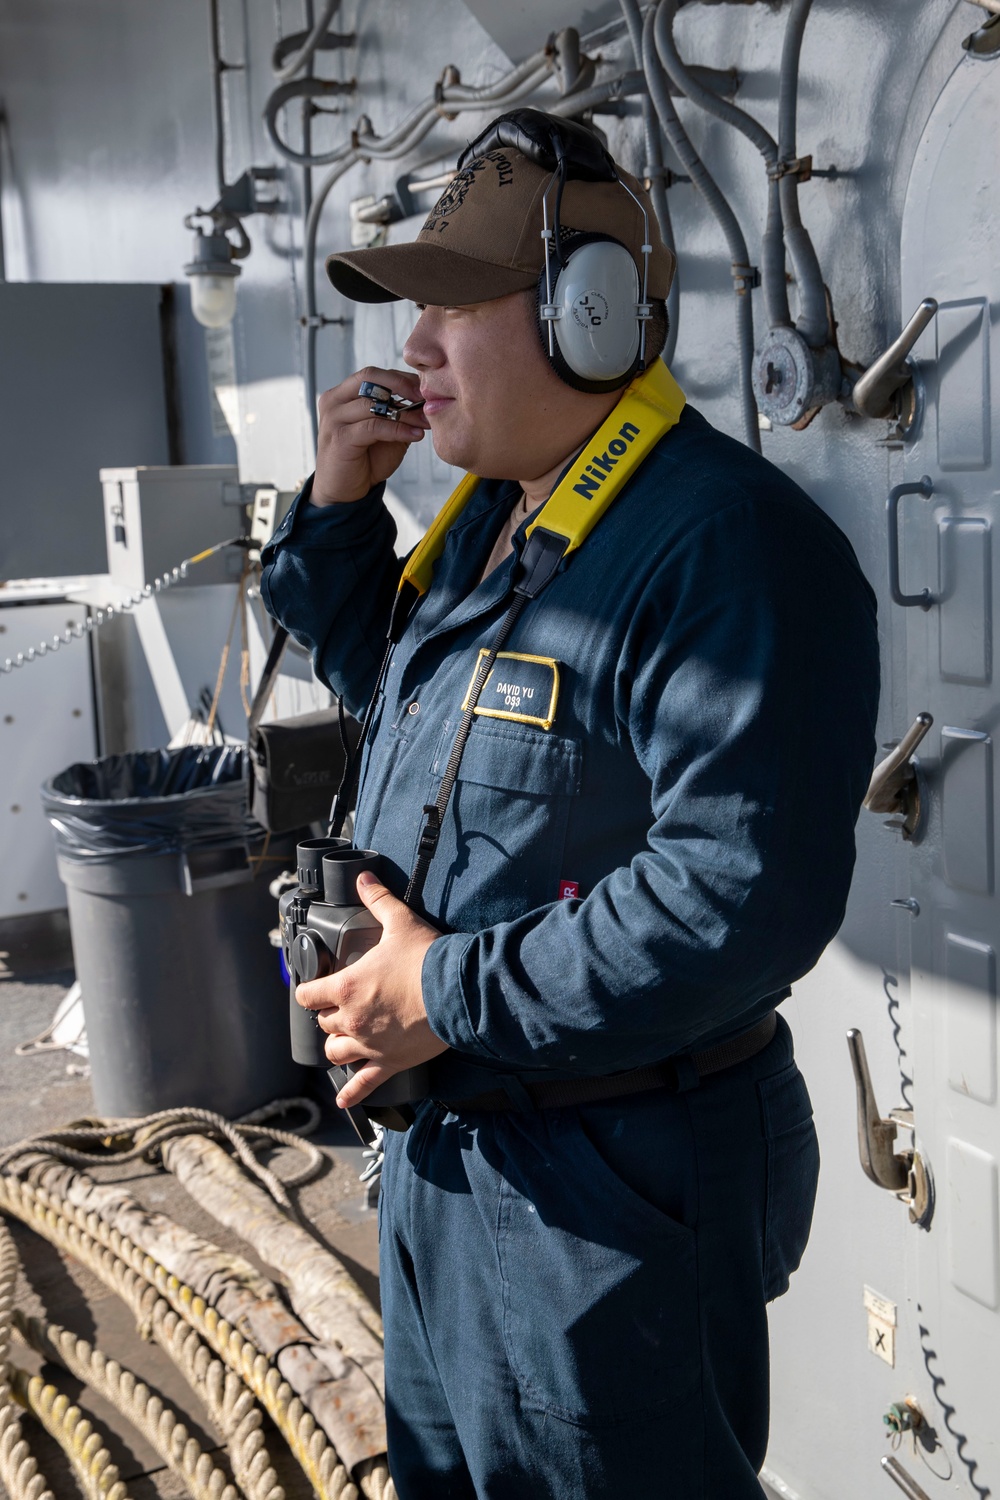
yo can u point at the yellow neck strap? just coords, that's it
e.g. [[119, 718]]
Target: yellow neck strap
[[650, 405]]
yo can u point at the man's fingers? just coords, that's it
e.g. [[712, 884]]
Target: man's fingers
[[319, 994], [356, 423], [345, 1050], [380, 901], [397, 382], [363, 1083], [382, 430]]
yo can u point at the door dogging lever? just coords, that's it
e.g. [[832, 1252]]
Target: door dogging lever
[[894, 787], [887, 388], [903, 1173]]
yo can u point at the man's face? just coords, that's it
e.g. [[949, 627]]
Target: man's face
[[495, 405]]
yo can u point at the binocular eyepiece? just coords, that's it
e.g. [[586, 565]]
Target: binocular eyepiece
[[333, 866], [324, 927]]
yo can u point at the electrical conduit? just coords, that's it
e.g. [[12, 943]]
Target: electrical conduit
[[654, 170], [772, 249], [813, 322], [706, 185]]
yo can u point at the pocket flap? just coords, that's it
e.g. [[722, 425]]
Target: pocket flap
[[515, 759]]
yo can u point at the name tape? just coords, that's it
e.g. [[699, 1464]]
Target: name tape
[[520, 687]]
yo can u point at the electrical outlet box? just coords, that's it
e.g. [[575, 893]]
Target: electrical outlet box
[[155, 518]]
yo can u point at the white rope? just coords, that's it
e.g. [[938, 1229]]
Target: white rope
[[77, 1436], [148, 1413], [152, 1131], [18, 1469], [124, 1268]]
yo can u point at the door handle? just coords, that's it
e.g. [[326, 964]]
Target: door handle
[[923, 487], [904, 1173], [886, 388], [876, 1135], [894, 787]]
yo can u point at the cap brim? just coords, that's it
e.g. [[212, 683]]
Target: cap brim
[[422, 273]]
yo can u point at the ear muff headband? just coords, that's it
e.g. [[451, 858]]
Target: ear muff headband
[[588, 362]]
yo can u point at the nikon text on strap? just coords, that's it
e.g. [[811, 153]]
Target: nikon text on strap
[[650, 405]]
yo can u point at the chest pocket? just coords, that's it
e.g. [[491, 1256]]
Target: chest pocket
[[503, 844]]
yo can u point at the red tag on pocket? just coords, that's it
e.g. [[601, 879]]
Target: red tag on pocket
[[568, 889]]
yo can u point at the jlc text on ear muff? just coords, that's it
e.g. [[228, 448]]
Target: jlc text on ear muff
[[592, 296]]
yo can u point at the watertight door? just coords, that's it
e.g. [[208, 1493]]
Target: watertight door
[[948, 544]]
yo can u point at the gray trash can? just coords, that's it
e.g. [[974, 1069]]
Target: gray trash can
[[169, 909]]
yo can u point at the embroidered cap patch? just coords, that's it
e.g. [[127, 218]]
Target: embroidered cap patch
[[522, 688]]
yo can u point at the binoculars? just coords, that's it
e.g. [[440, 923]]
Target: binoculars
[[324, 927]]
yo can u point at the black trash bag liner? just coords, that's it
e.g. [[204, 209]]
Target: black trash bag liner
[[151, 802]]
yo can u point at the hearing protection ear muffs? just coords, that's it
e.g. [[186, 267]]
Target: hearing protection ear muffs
[[592, 302]]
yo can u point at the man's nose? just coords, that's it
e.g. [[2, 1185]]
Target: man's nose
[[422, 350]]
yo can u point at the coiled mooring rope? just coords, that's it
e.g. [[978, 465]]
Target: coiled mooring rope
[[76, 1434], [338, 1378], [111, 1255], [231, 1407], [158, 1422], [18, 1468]]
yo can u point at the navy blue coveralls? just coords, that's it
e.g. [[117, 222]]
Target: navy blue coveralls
[[575, 1297]]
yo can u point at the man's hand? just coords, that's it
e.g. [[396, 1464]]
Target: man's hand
[[373, 1011], [355, 449]]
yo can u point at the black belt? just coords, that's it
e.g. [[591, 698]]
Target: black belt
[[658, 1075]]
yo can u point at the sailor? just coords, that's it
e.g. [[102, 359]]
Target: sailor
[[647, 836]]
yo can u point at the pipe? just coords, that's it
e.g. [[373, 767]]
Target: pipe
[[316, 33], [653, 170], [306, 88], [307, 114], [628, 85], [813, 322], [450, 98], [687, 82], [456, 99], [307, 176], [218, 68], [728, 222], [509, 81], [772, 247]]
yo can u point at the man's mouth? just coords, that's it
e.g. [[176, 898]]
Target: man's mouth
[[435, 401]]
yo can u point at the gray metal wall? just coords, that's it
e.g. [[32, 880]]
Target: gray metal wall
[[110, 144], [81, 380]]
